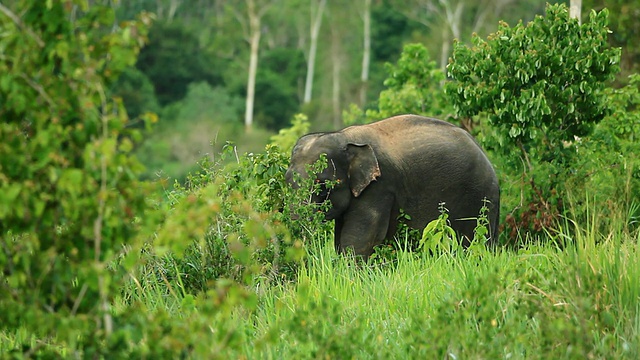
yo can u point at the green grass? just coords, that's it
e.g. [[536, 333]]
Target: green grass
[[581, 301]]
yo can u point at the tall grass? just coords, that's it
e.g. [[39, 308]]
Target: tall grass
[[575, 297], [579, 301]]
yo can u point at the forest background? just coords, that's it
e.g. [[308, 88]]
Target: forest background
[[315, 57]]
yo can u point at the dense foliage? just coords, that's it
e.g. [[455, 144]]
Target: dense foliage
[[625, 31], [193, 42], [164, 63], [541, 88], [541, 84], [70, 198], [413, 86]]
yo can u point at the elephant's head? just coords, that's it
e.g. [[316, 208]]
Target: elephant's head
[[350, 167]]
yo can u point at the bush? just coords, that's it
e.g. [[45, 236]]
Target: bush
[[70, 200], [605, 164], [234, 221], [541, 87]]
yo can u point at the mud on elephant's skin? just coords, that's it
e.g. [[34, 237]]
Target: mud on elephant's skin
[[406, 162]]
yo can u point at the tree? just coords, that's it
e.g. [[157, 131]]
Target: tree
[[185, 11], [541, 88], [623, 15], [70, 200], [316, 15], [414, 86], [167, 9], [251, 21], [451, 19], [366, 50], [173, 59], [575, 9], [390, 30], [336, 75], [540, 83], [277, 83], [137, 93]]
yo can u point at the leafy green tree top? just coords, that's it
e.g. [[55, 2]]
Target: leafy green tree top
[[540, 84]]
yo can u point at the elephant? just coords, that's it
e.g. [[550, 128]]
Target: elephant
[[406, 162]]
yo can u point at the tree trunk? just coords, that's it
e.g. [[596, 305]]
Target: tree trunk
[[444, 50], [313, 47], [159, 9], [575, 9], [173, 8], [488, 7], [337, 69], [453, 19], [254, 41], [366, 53]]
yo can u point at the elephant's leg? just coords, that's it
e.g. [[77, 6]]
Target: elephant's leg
[[365, 225]]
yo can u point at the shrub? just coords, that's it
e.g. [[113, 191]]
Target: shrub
[[605, 164], [70, 200], [541, 87], [234, 221]]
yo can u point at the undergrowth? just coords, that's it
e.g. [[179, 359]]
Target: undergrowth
[[537, 302], [574, 296]]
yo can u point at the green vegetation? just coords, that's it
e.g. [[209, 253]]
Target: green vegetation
[[538, 302], [99, 263], [540, 88], [71, 200]]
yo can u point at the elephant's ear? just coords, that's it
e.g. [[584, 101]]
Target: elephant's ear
[[363, 167]]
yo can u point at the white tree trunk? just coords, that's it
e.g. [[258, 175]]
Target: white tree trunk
[[313, 48], [453, 18], [445, 49], [254, 42], [337, 69], [497, 8], [445, 17], [173, 8], [366, 53], [575, 9]]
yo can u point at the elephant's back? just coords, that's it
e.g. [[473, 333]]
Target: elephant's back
[[402, 121], [409, 129], [413, 140]]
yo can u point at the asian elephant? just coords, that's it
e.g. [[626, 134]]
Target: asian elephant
[[406, 162]]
